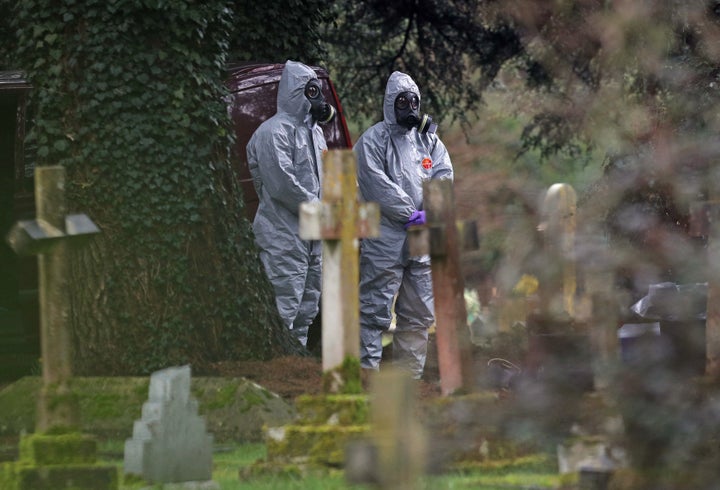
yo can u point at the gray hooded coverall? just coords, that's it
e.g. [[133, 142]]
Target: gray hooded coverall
[[392, 163], [285, 161]]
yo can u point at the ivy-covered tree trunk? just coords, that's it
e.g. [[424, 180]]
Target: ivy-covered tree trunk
[[128, 97]]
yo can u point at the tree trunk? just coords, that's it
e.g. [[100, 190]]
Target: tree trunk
[[130, 101]]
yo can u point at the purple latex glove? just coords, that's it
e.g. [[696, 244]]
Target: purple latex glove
[[417, 218]]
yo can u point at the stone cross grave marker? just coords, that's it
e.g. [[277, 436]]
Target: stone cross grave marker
[[395, 453], [339, 220], [441, 239], [400, 439], [51, 236]]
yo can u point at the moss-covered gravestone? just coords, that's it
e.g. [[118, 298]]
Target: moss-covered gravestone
[[57, 455], [50, 461], [339, 220], [327, 423]]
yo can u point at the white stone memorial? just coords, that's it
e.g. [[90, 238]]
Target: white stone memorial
[[170, 442]]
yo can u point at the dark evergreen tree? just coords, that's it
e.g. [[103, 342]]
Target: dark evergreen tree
[[589, 63]]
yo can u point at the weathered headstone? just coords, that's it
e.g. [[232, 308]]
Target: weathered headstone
[[57, 455], [441, 239], [170, 443], [51, 236], [339, 221]]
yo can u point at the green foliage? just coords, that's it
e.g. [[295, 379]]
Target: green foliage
[[128, 96], [600, 74], [293, 25]]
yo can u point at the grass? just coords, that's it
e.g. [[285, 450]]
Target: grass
[[532, 473]]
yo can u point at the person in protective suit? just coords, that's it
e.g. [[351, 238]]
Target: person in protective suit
[[285, 161], [394, 158]]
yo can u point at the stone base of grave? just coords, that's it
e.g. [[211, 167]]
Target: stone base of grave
[[50, 462], [466, 432], [325, 426], [333, 410], [322, 445]]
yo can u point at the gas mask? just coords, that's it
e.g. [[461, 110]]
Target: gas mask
[[320, 110], [407, 113]]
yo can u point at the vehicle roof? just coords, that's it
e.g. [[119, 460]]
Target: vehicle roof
[[242, 75]]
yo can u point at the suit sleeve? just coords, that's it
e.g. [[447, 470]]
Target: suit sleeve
[[278, 171], [374, 183], [442, 167]]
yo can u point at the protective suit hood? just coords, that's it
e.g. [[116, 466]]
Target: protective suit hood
[[397, 83], [291, 90]]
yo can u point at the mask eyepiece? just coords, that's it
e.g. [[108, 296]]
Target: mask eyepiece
[[320, 110], [312, 90]]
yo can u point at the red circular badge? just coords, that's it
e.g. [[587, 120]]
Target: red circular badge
[[427, 163]]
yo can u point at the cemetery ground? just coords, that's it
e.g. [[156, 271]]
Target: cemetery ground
[[499, 439], [289, 377]]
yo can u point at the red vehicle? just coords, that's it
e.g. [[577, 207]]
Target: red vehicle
[[253, 99]]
